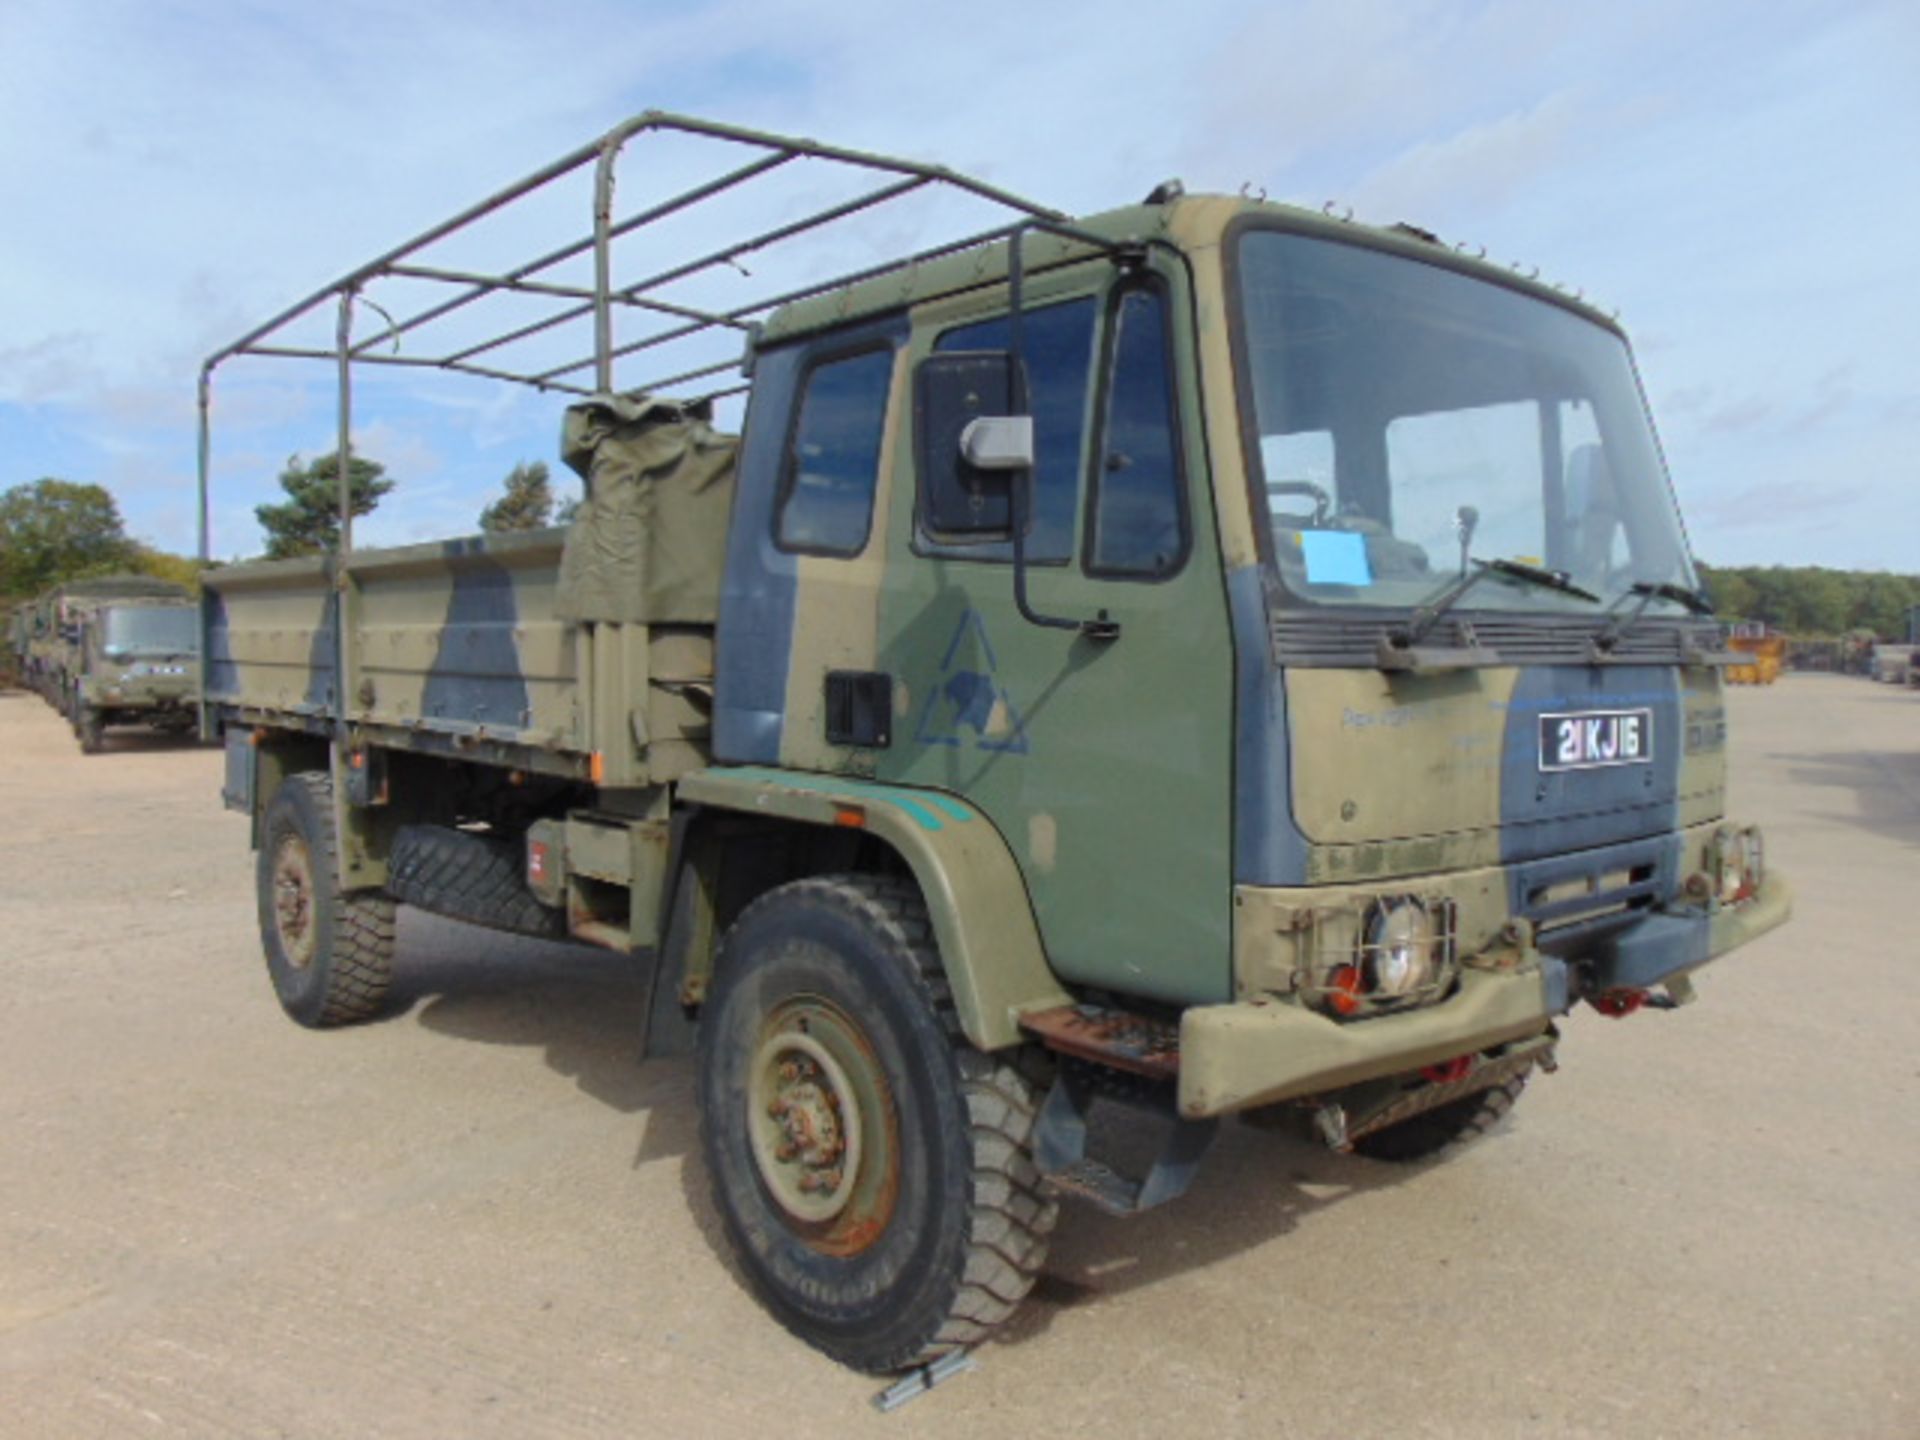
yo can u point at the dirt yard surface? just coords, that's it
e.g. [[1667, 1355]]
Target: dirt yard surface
[[482, 1217]]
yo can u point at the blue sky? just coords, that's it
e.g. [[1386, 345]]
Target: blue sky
[[1737, 180]]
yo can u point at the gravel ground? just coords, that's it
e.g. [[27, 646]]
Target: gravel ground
[[482, 1217]]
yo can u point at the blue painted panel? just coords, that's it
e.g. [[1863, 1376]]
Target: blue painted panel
[[221, 674], [1548, 813], [754, 642], [476, 676], [1268, 849], [324, 653]]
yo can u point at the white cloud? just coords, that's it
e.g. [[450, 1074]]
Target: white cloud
[[1477, 168], [1729, 176]]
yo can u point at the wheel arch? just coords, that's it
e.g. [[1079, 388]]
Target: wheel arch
[[976, 897]]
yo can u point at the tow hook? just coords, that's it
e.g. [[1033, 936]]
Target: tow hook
[[1618, 1004], [1448, 1071]]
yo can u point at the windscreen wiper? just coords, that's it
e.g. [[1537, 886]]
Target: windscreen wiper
[[1428, 615], [1667, 590], [1648, 591]]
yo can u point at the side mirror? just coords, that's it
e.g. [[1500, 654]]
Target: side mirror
[[998, 442], [971, 441]]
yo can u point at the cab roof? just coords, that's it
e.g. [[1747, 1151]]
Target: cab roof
[[1186, 223]]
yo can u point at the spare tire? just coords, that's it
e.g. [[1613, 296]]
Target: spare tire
[[468, 876]]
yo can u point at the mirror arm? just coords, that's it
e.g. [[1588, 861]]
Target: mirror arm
[[1101, 627]]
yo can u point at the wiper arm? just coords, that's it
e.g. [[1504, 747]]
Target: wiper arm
[[1649, 591], [1679, 594], [1428, 615]]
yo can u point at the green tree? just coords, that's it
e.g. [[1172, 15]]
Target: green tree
[[527, 503], [53, 530], [161, 565], [1732, 593], [1810, 601], [308, 520]]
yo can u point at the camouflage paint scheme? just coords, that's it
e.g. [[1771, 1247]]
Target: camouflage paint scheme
[[1178, 816]]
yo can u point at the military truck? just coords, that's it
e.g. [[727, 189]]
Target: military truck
[[37, 640], [19, 633], [1891, 663], [1206, 658], [120, 650]]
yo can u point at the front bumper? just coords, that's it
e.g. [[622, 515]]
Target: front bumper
[[1255, 1052], [106, 696]]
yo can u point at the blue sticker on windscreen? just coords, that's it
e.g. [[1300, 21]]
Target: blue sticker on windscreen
[[1335, 557]]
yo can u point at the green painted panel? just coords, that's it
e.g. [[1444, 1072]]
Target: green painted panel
[[1107, 765]]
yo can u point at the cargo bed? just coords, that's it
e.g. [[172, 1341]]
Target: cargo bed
[[457, 648]]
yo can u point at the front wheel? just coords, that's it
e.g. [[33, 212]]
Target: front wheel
[[872, 1169], [90, 728]]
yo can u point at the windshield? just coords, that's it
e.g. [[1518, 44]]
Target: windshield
[[1410, 417], [151, 630]]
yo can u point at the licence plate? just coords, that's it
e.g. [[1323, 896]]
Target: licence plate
[[1591, 739]]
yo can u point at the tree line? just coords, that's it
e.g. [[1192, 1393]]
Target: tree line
[[1811, 601], [54, 530]]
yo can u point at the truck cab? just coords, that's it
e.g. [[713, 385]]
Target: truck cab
[[1388, 693], [138, 664]]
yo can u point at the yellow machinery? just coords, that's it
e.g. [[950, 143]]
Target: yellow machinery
[[1767, 650]]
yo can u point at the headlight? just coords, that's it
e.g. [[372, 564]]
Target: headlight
[[1400, 955], [1401, 952]]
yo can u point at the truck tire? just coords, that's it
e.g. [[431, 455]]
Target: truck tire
[[872, 1169], [329, 952], [90, 728], [1426, 1135], [470, 877]]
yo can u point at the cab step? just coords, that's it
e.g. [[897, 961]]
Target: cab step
[[1060, 1144]]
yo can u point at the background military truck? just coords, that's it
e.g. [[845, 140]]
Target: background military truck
[[121, 650], [1207, 657], [19, 636], [41, 645], [1892, 663]]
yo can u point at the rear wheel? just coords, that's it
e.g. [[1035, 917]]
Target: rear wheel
[[1432, 1131], [872, 1169], [329, 951]]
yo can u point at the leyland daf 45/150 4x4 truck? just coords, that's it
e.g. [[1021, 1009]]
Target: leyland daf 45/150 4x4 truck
[[1209, 654]]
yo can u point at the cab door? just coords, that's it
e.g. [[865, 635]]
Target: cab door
[[1105, 763]]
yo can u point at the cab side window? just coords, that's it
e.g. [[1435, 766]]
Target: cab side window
[[1058, 341], [1139, 528], [833, 461]]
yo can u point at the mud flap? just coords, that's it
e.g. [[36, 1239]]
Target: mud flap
[[684, 957]]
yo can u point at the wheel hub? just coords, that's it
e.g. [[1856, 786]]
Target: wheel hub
[[293, 915], [805, 1125]]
